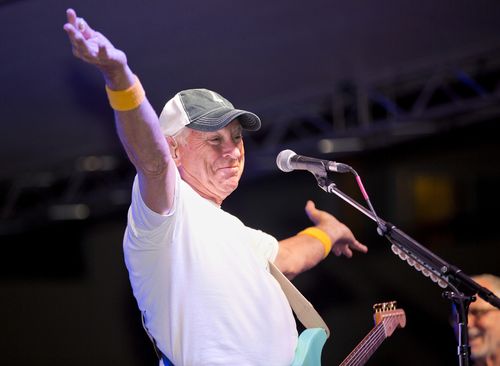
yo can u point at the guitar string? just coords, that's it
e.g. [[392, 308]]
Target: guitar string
[[355, 353], [365, 354], [376, 339]]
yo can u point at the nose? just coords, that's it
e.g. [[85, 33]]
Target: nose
[[232, 150]]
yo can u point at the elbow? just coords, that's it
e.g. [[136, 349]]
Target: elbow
[[154, 169], [287, 263], [290, 274]]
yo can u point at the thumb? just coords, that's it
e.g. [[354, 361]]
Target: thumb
[[312, 211]]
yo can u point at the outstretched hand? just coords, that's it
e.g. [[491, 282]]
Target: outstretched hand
[[91, 46], [343, 240]]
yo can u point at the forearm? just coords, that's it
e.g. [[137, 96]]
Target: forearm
[[142, 139], [306, 249], [138, 128], [298, 254], [145, 145]]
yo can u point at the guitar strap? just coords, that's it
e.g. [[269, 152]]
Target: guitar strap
[[302, 308]]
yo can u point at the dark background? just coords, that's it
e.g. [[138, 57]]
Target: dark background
[[427, 73]]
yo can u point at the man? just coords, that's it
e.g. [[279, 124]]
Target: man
[[200, 276], [484, 325]]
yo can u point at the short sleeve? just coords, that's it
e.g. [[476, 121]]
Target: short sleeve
[[264, 245], [144, 226]]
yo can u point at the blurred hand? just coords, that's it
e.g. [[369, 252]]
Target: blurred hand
[[92, 47], [343, 240]]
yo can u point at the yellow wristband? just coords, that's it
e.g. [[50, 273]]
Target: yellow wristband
[[320, 235], [128, 99]]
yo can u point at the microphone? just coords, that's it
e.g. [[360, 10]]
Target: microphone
[[287, 161]]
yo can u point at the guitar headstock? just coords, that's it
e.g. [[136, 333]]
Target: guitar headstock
[[390, 317]]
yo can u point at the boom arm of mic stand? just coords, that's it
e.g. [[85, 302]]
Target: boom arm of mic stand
[[417, 255]]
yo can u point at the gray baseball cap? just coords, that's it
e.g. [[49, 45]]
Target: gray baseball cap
[[203, 110]]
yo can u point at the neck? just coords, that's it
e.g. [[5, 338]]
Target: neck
[[216, 200], [201, 189]]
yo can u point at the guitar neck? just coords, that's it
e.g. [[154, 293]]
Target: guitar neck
[[366, 348], [387, 319]]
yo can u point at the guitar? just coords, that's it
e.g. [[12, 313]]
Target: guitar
[[311, 341], [309, 347], [387, 318]]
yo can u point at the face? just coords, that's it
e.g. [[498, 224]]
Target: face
[[484, 327], [212, 162]]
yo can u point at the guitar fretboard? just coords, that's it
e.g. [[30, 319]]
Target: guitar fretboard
[[367, 347]]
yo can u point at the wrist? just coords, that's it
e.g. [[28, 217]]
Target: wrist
[[118, 77], [320, 235], [126, 99]]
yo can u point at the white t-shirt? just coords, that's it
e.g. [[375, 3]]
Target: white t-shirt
[[201, 277]]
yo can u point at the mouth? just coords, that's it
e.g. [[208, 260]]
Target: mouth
[[232, 167], [474, 335], [229, 171], [473, 338]]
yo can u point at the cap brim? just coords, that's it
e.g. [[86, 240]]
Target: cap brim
[[221, 117]]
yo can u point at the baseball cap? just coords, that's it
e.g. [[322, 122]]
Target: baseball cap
[[203, 110]]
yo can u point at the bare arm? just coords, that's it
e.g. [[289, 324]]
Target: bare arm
[[138, 129], [302, 252]]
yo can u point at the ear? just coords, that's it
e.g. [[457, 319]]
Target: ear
[[174, 149]]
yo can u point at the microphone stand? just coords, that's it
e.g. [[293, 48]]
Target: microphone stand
[[462, 287]]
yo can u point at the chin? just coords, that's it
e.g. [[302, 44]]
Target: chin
[[478, 352], [230, 186]]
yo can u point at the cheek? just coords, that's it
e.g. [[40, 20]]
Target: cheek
[[493, 326]]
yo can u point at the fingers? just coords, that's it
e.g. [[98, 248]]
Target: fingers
[[82, 37], [76, 39], [347, 248], [71, 17], [70, 27], [344, 249], [347, 252], [77, 25], [340, 249], [359, 247], [344, 242], [310, 206], [84, 28]]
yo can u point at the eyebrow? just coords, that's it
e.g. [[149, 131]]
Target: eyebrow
[[237, 127]]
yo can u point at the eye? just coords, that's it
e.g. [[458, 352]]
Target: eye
[[215, 140], [237, 137]]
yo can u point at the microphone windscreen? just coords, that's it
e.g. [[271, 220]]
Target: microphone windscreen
[[283, 160]]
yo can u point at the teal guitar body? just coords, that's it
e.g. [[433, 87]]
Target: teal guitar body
[[309, 347]]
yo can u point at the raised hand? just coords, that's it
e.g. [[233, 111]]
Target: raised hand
[[343, 240], [92, 47]]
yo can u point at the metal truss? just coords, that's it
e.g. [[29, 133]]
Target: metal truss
[[356, 115], [372, 112], [90, 187]]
